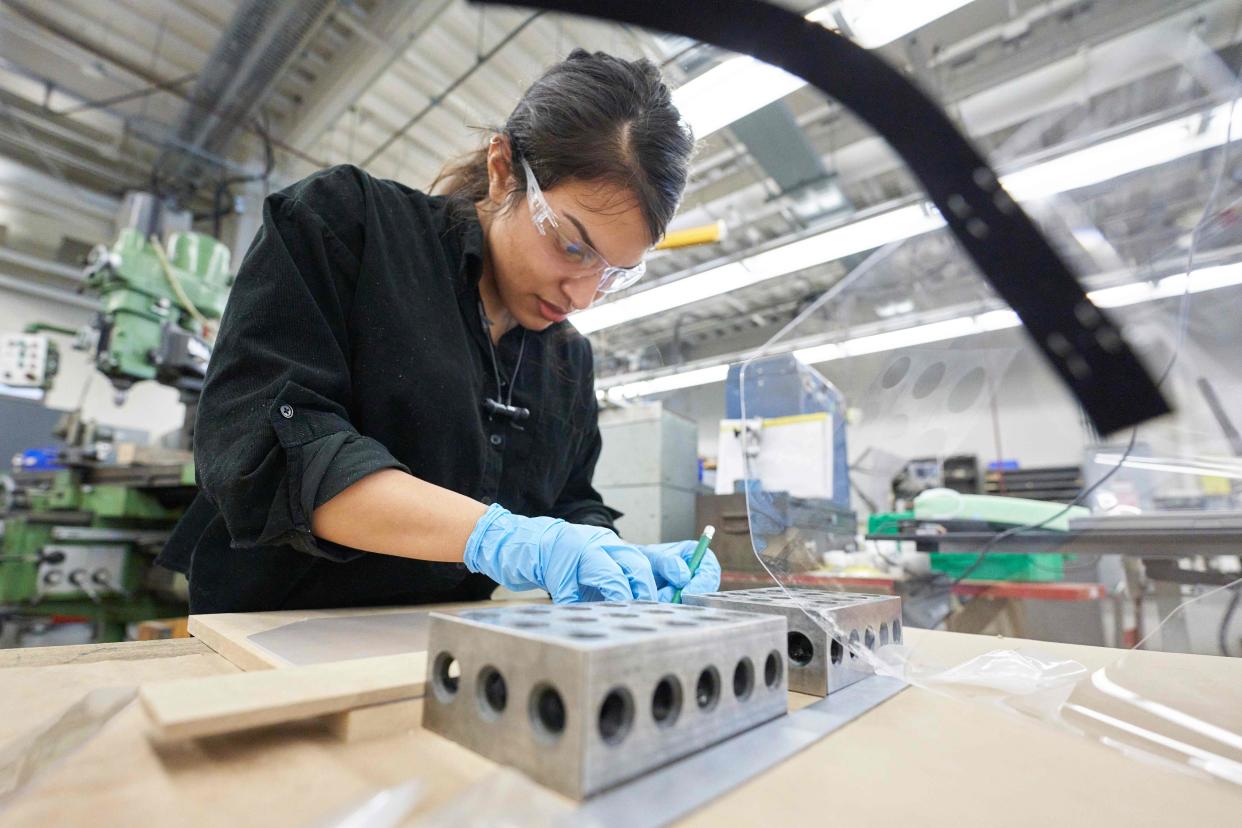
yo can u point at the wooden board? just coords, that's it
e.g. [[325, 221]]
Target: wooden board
[[85, 653], [193, 708], [376, 721], [229, 633]]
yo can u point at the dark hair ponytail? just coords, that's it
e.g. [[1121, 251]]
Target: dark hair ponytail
[[592, 117]]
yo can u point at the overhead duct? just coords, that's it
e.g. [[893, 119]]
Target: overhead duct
[[774, 139], [259, 42]]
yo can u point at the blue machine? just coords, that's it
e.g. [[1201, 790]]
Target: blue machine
[[781, 386], [790, 533], [46, 458]]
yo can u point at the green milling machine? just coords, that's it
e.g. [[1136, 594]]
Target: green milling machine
[[80, 531]]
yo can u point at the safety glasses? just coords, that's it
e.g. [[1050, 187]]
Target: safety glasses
[[575, 251]]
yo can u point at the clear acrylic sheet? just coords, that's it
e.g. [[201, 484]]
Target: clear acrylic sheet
[[934, 393]]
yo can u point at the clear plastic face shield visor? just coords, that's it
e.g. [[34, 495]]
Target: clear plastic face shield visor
[[889, 453]]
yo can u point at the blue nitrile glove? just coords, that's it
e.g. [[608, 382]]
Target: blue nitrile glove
[[571, 561], [670, 564]]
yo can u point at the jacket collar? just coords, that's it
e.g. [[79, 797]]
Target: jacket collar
[[461, 236]]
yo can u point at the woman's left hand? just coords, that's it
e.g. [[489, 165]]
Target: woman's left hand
[[670, 565]]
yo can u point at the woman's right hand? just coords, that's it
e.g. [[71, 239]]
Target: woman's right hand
[[571, 561]]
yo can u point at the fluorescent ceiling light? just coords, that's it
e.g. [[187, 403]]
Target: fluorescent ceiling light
[[1121, 295], [830, 245], [874, 23], [669, 382], [741, 85], [907, 337], [891, 309], [1120, 156], [701, 285], [868, 234], [730, 91], [1201, 280], [1170, 287]]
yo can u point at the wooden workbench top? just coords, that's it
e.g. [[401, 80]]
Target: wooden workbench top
[[918, 759]]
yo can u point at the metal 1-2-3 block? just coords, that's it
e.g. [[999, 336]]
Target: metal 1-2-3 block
[[583, 696], [819, 662]]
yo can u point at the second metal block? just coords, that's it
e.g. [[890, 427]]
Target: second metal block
[[820, 663]]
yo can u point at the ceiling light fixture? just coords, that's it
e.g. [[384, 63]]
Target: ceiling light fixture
[[875, 23], [739, 86]]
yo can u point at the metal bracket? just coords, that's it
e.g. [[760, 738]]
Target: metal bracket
[[693, 782]]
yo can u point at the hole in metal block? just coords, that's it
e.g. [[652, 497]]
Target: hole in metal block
[[529, 624], [616, 715], [691, 608], [896, 631], [614, 604], [801, 650], [743, 679], [707, 688], [717, 617], [772, 670], [854, 642], [445, 676], [535, 610], [583, 619], [884, 635], [636, 628], [547, 711], [493, 692], [622, 615], [869, 639], [666, 701], [586, 634], [837, 652], [678, 622], [659, 611], [575, 608]]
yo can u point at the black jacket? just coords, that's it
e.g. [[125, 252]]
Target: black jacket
[[352, 342]]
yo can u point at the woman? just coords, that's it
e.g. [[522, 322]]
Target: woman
[[396, 410]]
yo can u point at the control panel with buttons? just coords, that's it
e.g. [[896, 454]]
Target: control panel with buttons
[[24, 360], [80, 569]]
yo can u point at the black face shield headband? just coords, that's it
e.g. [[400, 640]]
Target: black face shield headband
[[1079, 341]]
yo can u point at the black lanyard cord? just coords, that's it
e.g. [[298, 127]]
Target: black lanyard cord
[[495, 406]]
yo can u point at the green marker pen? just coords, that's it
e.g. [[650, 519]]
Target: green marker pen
[[709, 532]]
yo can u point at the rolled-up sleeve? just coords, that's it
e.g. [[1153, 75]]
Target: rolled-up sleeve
[[273, 437]]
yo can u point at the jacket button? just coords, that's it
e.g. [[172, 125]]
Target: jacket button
[[286, 411], [496, 439]]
